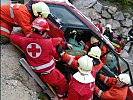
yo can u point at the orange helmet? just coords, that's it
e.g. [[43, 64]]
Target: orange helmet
[[40, 24]]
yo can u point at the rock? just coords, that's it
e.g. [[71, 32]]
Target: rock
[[105, 14], [118, 16], [112, 9], [93, 14], [79, 4], [125, 32], [98, 7], [127, 15], [105, 7], [115, 24], [132, 18], [127, 22], [103, 22]]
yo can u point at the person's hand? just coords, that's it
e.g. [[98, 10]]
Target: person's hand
[[69, 46], [54, 98]]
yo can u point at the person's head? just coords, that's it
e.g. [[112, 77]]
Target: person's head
[[85, 65], [119, 37], [40, 9], [123, 80], [40, 26], [95, 52], [94, 41], [108, 28]]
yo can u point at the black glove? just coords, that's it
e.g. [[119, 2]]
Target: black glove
[[59, 49]]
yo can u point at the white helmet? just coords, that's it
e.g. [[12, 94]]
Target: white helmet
[[124, 78], [85, 64], [94, 40], [95, 52], [41, 8], [109, 26]]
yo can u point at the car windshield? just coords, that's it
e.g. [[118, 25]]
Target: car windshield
[[64, 15]]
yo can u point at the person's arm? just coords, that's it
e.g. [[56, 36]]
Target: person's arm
[[24, 19], [17, 39], [109, 81], [70, 60]]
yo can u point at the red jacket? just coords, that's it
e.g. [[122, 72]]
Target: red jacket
[[80, 91], [99, 27], [17, 14], [39, 52], [114, 93]]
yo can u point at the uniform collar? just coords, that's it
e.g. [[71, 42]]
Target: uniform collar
[[84, 78]]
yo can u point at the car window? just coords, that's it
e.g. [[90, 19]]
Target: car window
[[113, 61], [64, 15]]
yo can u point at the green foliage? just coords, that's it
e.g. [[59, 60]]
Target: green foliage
[[126, 2], [124, 5]]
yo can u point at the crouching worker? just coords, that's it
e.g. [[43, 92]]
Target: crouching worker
[[40, 54], [118, 87], [82, 84]]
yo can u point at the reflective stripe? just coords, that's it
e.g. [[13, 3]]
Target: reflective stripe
[[11, 11], [106, 79], [94, 56], [44, 66], [99, 93], [87, 46], [60, 95], [71, 60], [47, 72], [12, 14], [115, 44], [5, 29]]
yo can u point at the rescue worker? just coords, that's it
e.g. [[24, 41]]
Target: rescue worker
[[20, 15], [95, 42], [82, 84], [108, 32], [118, 87], [99, 26], [40, 54], [94, 53], [118, 43]]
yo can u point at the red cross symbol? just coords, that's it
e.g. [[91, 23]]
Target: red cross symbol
[[34, 50]]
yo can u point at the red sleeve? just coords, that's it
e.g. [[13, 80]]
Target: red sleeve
[[23, 18], [87, 46], [70, 61], [56, 41], [77, 57], [17, 39], [107, 80]]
